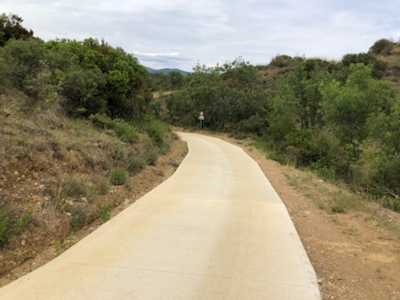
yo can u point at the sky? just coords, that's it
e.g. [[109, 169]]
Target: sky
[[181, 34]]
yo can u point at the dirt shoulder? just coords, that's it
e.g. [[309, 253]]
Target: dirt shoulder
[[356, 253]]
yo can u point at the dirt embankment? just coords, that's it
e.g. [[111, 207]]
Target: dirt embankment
[[356, 253]]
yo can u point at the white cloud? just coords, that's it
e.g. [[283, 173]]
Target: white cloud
[[179, 33]]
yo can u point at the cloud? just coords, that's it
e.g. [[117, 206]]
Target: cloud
[[172, 54], [180, 33]]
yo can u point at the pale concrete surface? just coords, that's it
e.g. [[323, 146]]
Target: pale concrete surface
[[215, 230]]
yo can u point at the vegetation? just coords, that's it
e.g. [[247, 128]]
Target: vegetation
[[227, 95], [340, 119], [86, 107]]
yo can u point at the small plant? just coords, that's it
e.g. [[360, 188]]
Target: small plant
[[21, 222], [118, 177], [125, 131], [10, 224], [338, 207], [71, 239], [118, 153], [103, 187], [151, 157], [105, 211], [78, 216], [57, 248], [135, 164]]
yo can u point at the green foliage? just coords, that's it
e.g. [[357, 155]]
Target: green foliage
[[11, 28], [167, 82], [135, 164], [73, 187], [78, 216], [367, 59], [11, 224], [118, 177], [125, 131], [227, 94], [86, 77], [151, 156], [105, 211], [156, 130]]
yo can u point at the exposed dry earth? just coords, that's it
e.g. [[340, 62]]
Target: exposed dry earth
[[355, 254]]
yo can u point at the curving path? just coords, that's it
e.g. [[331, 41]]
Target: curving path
[[215, 230]]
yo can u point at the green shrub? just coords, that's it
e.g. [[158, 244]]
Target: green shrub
[[118, 177], [78, 216], [125, 131], [151, 157], [73, 187], [10, 224], [135, 164], [103, 187], [338, 207], [105, 211], [118, 152]]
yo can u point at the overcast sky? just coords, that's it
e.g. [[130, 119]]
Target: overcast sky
[[179, 34]]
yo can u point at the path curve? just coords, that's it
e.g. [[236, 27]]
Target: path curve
[[215, 230]]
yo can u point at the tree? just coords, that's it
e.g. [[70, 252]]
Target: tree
[[348, 106], [11, 28]]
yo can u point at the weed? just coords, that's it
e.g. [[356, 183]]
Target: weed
[[352, 230], [125, 131], [57, 248], [320, 204], [118, 152], [78, 216], [135, 164], [338, 207], [71, 239], [151, 157], [105, 211], [21, 222], [10, 224], [128, 184], [103, 187], [118, 177]]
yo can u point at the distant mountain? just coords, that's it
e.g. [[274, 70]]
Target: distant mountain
[[165, 71]]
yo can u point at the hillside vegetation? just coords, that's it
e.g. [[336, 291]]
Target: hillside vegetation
[[76, 127], [338, 118]]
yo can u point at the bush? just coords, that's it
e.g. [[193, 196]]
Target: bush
[[73, 187], [105, 211], [125, 131], [10, 224], [135, 164], [118, 177], [281, 61], [151, 156], [381, 47], [78, 216]]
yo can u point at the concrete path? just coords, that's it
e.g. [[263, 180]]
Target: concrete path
[[215, 230]]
